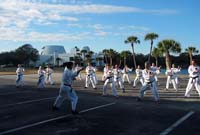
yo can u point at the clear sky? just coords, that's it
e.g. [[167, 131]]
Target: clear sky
[[99, 24]]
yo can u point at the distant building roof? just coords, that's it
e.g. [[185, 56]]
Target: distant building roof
[[51, 49], [86, 48]]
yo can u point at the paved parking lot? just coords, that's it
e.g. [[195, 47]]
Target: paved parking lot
[[27, 111]]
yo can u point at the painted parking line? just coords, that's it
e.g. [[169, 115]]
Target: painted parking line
[[27, 102], [53, 119], [173, 126]]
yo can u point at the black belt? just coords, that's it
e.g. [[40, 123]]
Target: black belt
[[193, 78], [67, 85], [150, 83]]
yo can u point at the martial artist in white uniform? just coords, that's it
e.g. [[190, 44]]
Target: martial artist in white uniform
[[41, 79], [20, 76], [177, 70], [125, 72], [95, 75], [66, 89], [79, 75], [156, 70], [171, 78], [49, 78], [105, 70], [194, 72], [149, 83], [118, 77], [138, 77], [109, 78], [89, 76]]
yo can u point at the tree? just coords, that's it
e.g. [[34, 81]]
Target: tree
[[105, 52], [132, 40], [125, 55], [166, 46], [111, 53], [151, 37], [26, 53], [156, 53], [190, 50]]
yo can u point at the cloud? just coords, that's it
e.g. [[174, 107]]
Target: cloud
[[20, 19], [15, 34]]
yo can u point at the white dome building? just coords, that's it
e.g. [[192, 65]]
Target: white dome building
[[52, 49], [86, 48], [56, 55]]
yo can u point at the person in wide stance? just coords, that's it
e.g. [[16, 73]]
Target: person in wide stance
[[109, 79], [149, 83], [139, 77], [126, 70], [89, 76], [66, 88], [194, 81]]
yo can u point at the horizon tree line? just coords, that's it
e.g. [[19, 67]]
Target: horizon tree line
[[163, 52]]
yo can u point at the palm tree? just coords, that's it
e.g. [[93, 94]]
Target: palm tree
[[190, 50], [166, 46], [105, 52], [132, 40], [111, 53], [156, 53], [151, 37], [124, 55]]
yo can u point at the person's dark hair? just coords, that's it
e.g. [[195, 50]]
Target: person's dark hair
[[69, 65]]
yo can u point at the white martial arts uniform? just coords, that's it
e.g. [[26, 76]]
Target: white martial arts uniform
[[125, 72], [138, 77], [89, 77], [79, 75], [149, 83], [117, 78], [109, 79], [66, 90], [156, 70], [176, 71], [20, 76], [194, 81], [95, 76], [171, 78], [105, 70], [49, 78], [41, 79]]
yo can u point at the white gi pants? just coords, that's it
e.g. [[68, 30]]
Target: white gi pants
[[103, 77], [20, 80], [172, 80], [49, 79], [137, 79], [66, 91], [118, 81], [95, 79], [89, 79], [127, 77], [41, 82], [112, 85], [191, 84], [153, 88], [177, 81]]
